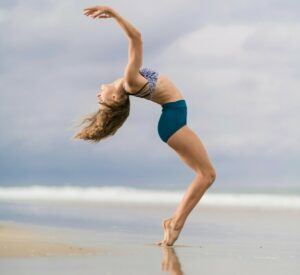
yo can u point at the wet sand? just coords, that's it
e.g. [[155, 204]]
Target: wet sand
[[122, 241], [20, 240]]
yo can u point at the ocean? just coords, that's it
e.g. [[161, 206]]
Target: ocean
[[226, 231], [92, 206]]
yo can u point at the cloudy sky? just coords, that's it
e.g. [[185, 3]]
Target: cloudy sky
[[237, 64]]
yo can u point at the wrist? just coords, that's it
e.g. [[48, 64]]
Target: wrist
[[115, 14]]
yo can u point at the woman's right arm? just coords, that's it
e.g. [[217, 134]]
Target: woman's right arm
[[129, 29], [132, 77]]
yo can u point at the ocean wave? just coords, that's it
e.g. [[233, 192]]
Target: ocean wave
[[148, 196]]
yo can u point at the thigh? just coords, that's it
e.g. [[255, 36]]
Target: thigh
[[190, 149]]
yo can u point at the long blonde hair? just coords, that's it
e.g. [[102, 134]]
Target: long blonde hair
[[104, 122]]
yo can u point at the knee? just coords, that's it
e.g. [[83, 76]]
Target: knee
[[210, 175]]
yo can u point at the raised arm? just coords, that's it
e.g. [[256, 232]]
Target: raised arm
[[135, 53], [132, 76]]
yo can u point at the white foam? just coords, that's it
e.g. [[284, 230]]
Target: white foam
[[134, 195]]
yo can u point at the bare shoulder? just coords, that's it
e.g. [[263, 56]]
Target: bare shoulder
[[134, 86]]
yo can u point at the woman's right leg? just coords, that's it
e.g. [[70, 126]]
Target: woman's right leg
[[191, 150]]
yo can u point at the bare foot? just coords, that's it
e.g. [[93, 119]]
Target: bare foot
[[170, 233], [165, 232]]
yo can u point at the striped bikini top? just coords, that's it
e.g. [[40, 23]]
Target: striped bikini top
[[148, 89]]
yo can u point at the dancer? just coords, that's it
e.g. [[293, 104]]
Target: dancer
[[144, 82]]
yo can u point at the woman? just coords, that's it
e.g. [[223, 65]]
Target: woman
[[172, 126]]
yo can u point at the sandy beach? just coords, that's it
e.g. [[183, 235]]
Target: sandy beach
[[20, 240], [120, 239]]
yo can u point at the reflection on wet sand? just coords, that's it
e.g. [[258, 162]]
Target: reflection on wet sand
[[170, 262]]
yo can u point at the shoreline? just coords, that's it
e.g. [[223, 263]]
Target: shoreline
[[215, 240]]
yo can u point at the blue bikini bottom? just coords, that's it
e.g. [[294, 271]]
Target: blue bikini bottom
[[173, 117]]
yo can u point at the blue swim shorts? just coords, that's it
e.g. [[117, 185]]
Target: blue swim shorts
[[173, 117]]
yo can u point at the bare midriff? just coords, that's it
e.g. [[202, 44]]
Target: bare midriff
[[165, 91]]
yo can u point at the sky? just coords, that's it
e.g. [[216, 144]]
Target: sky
[[236, 63]]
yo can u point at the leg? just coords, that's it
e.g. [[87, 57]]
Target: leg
[[191, 150]]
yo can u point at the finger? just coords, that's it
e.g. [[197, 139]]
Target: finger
[[97, 13], [102, 16], [88, 12], [90, 8], [93, 15]]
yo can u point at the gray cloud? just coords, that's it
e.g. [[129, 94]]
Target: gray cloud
[[235, 62]]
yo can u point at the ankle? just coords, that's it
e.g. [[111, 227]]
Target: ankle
[[177, 223]]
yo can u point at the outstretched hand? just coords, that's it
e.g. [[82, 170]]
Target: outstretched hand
[[99, 12]]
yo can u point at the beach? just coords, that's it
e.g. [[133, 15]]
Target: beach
[[119, 238], [219, 113], [23, 240]]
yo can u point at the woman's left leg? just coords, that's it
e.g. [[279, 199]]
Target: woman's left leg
[[191, 150]]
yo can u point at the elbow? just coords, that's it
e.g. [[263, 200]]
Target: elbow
[[137, 36]]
